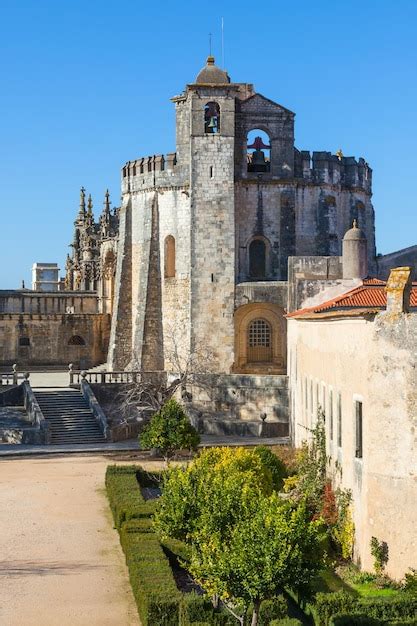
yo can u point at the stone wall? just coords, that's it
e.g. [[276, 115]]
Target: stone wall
[[39, 303], [405, 257], [29, 339], [242, 397]]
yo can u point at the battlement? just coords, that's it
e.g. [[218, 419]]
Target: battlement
[[150, 164], [335, 169], [158, 170]]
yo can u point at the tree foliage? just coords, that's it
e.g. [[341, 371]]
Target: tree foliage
[[169, 431], [246, 542]]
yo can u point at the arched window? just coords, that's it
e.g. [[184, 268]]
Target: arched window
[[169, 257], [211, 118], [259, 342], [76, 340], [259, 151], [257, 259]]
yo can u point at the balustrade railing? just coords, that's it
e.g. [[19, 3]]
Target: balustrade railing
[[107, 378], [13, 377]]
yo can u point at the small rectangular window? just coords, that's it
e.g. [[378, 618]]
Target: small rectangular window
[[24, 341], [358, 430], [211, 171], [331, 414], [339, 420]]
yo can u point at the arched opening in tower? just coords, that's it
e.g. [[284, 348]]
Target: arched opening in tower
[[258, 151]]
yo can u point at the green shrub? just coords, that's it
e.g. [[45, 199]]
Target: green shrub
[[410, 582], [197, 609], [153, 584], [286, 621], [354, 620], [328, 604], [276, 608], [126, 500], [401, 606], [274, 464], [169, 431], [178, 548]]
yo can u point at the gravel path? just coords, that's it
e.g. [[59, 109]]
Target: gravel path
[[61, 563]]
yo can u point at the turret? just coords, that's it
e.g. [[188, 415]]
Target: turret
[[355, 253]]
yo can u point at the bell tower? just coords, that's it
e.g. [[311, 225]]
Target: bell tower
[[206, 147]]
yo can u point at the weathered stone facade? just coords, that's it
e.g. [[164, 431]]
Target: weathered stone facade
[[233, 218], [39, 328]]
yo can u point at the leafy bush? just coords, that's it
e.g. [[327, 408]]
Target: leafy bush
[[275, 608], [274, 464], [410, 582], [169, 431], [286, 621], [329, 604], [199, 609]]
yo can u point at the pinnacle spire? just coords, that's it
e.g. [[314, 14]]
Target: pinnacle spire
[[82, 201], [107, 202], [90, 205]]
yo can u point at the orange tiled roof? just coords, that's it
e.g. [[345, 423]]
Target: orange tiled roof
[[369, 297]]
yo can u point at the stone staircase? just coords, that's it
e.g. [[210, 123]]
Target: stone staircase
[[69, 417]]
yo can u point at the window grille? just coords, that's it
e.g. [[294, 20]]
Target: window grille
[[259, 342]]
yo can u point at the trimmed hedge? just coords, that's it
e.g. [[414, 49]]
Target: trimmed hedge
[[353, 620], [153, 584], [126, 500], [286, 621], [197, 608], [365, 620], [327, 605]]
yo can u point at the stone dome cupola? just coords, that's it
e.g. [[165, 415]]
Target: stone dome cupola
[[355, 253], [354, 233], [212, 75]]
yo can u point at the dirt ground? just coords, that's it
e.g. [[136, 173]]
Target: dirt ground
[[61, 563]]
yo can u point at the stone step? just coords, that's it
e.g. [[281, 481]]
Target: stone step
[[69, 417]]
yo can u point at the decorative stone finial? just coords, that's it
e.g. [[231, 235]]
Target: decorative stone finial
[[90, 205], [107, 201], [339, 154], [82, 200], [355, 223], [210, 60]]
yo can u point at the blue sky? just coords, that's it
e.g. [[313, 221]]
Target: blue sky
[[85, 86]]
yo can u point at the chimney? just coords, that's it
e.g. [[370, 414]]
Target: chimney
[[398, 290]]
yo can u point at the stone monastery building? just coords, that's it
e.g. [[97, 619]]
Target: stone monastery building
[[218, 248]]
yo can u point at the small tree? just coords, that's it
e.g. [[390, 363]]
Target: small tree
[[246, 542], [169, 431], [272, 546]]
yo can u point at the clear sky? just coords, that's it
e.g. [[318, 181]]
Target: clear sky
[[85, 87]]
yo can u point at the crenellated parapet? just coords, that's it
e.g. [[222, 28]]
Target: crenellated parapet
[[333, 169], [158, 170]]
